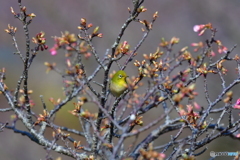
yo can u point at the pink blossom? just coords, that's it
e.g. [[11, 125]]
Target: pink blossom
[[53, 51], [198, 28], [196, 105], [237, 104]]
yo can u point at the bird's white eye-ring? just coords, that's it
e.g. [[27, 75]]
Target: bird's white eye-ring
[[119, 76]]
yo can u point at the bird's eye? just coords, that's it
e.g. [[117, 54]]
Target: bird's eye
[[119, 76]]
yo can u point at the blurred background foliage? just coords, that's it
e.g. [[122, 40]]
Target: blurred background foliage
[[176, 18]]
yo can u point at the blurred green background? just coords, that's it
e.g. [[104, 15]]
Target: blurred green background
[[176, 18]]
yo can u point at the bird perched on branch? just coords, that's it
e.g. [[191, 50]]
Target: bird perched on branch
[[118, 83]]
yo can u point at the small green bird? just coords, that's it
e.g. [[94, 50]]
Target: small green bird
[[118, 83]]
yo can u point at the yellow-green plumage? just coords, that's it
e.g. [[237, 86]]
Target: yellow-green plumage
[[118, 83]]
